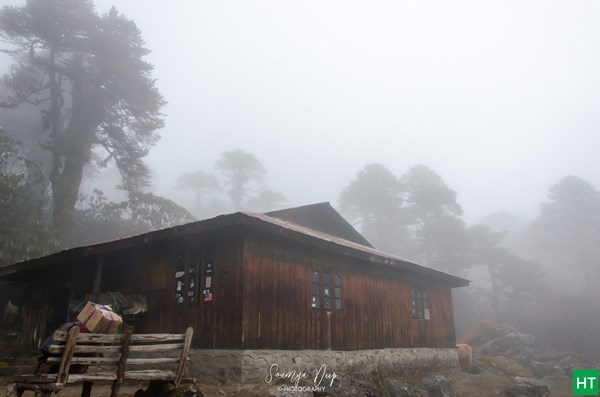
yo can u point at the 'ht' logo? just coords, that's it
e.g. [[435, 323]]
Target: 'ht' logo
[[585, 382]]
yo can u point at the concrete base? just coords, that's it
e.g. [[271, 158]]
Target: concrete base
[[260, 366]]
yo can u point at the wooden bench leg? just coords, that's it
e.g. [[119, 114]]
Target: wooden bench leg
[[86, 391], [12, 391]]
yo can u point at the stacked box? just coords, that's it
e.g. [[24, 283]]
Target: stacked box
[[99, 318]]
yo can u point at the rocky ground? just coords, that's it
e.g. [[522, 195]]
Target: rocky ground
[[444, 384], [505, 364]]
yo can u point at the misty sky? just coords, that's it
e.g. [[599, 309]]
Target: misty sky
[[501, 99]]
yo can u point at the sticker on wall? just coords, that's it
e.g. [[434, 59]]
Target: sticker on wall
[[179, 286], [192, 284], [207, 293], [426, 314]]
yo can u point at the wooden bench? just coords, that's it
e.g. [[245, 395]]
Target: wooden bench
[[109, 357]]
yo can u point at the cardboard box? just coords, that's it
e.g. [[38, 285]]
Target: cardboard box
[[99, 318]]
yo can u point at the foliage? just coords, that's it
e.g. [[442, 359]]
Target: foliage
[[24, 233], [435, 219], [87, 76], [266, 200], [375, 194], [374, 201], [513, 281], [239, 169], [99, 219], [567, 231], [415, 216], [243, 182], [199, 182]]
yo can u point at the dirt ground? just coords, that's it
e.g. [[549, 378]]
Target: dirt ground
[[128, 390], [464, 385]]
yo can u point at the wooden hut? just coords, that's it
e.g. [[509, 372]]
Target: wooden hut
[[301, 278]]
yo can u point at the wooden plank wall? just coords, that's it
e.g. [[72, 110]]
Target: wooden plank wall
[[376, 310], [262, 295], [217, 324]]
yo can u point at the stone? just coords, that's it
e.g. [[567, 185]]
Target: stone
[[501, 366], [483, 332], [221, 366], [527, 387], [398, 388], [570, 363], [513, 344], [437, 386], [355, 386], [543, 369]]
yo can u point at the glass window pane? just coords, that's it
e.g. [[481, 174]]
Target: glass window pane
[[315, 277], [327, 291], [326, 279], [326, 303], [338, 292], [337, 281], [338, 304], [315, 302], [315, 289]]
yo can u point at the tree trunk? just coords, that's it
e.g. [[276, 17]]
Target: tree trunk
[[70, 153], [495, 298]]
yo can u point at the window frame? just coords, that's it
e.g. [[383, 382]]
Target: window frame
[[419, 303], [329, 288]]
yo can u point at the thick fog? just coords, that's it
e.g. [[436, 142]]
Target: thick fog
[[501, 99], [459, 135]]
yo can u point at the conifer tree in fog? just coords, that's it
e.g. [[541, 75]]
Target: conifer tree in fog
[[240, 170], [87, 75], [373, 201], [199, 182], [435, 219], [567, 231]]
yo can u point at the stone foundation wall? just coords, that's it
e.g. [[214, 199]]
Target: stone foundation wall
[[256, 366]]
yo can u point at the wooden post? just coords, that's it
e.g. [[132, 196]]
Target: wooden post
[[65, 363], [13, 391], [184, 354], [328, 330], [122, 362], [87, 389]]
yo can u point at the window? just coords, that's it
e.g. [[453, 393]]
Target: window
[[192, 284], [420, 308], [316, 295], [194, 280], [207, 287], [325, 293], [179, 283], [337, 282], [186, 283]]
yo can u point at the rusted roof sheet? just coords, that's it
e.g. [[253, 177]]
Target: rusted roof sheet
[[253, 221]]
